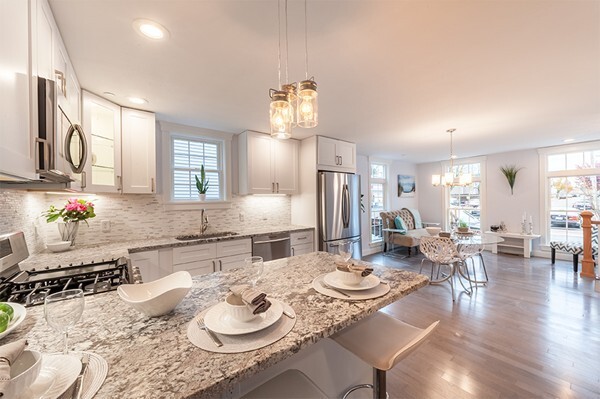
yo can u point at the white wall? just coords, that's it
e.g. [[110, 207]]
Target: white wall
[[499, 204]]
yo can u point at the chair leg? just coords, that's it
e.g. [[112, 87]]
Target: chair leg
[[487, 279], [575, 262], [379, 384], [553, 255]]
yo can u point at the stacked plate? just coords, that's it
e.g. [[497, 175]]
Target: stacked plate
[[241, 336], [368, 288]]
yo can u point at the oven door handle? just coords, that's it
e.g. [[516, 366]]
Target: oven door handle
[[270, 241]]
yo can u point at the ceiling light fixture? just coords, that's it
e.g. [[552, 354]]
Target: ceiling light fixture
[[280, 110], [293, 104], [137, 100], [449, 178], [150, 29]]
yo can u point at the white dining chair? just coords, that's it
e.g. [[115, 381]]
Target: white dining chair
[[442, 251], [468, 252]]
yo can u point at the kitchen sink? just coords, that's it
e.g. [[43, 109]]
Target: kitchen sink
[[190, 237]]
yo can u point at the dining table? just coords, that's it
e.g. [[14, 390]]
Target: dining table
[[151, 357]]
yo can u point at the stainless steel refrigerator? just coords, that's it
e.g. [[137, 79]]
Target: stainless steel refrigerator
[[339, 211]]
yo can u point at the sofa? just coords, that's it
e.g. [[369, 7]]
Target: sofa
[[410, 239]]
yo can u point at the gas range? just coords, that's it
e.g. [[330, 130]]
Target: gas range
[[30, 287]]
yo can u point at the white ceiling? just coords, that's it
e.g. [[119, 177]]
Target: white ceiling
[[392, 75]]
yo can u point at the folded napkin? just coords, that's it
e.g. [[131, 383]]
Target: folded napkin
[[252, 297], [8, 354], [349, 267]]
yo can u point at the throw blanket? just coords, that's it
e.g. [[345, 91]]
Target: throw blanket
[[416, 217]]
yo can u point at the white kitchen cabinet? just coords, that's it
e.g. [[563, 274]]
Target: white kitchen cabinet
[[138, 151], [336, 155], [122, 147], [102, 127], [232, 262], [211, 257], [301, 242], [148, 263], [16, 140], [267, 165]]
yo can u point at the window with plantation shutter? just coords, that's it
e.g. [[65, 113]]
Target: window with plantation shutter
[[188, 155]]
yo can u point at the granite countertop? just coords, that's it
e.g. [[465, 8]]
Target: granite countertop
[[96, 253], [153, 358]]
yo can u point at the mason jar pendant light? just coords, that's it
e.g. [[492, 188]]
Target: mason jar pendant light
[[308, 108], [280, 112]]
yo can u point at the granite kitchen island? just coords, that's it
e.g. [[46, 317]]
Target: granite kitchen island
[[153, 358]]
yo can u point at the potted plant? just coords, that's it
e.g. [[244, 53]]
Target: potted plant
[[463, 227], [71, 214], [510, 172], [202, 184]]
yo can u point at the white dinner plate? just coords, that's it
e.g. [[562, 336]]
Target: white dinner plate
[[220, 321], [367, 283], [18, 317], [58, 373]]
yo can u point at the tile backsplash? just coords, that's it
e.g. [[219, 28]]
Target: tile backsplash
[[134, 217]]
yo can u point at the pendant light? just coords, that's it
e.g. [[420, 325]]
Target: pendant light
[[448, 179], [308, 107], [289, 88], [280, 110]]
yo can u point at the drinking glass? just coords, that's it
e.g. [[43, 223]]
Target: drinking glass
[[62, 310], [255, 265], [345, 250]]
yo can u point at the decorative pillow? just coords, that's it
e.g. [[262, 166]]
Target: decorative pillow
[[400, 225]]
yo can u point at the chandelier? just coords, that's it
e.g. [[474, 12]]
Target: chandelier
[[292, 104], [449, 179]]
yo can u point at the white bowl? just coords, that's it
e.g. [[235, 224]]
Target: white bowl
[[157, 297], [23, 372], [238, 309], [433, 230], [58, 246], [349, 278]]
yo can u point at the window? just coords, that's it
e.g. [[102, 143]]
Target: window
[[571, 176], [184, 149], [378, 199], [464, 203], [188, 157]]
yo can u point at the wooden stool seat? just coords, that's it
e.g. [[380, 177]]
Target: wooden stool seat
[[381, 341], [291, 383]]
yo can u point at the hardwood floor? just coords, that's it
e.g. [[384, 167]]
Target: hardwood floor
[[534, 331]]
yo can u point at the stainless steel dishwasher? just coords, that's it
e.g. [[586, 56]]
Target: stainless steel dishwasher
[[271, 246]]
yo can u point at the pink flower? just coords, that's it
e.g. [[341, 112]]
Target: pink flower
[[81, 208], [71, 207]]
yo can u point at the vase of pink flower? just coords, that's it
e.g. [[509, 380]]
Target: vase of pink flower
[[74, 211]]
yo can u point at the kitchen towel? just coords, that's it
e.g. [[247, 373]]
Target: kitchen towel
[[254, 298], [8, 354]]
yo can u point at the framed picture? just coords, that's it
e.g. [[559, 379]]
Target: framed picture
[[406, 186]]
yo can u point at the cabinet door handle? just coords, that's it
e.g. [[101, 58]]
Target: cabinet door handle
[[272, 187], [301, 238], [214, 266], [341, 160], [152, 182], [292, 251], [277, 187], [63, 82], [336, 160], [119, 183], [220, 265], [83, 179]]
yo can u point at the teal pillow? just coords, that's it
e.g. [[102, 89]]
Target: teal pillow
[[400, 225]]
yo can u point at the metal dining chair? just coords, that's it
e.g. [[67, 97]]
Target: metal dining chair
[[468, 252], [442, 251]]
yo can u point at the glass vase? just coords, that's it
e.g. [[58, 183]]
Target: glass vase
[[68, 231]]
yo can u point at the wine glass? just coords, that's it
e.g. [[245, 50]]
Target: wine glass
[[62, 310], [345, 250], [256, 267]]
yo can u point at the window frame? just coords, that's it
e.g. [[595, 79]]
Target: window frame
[[481, 179], [545, 175], [385, 182], [171, 131]]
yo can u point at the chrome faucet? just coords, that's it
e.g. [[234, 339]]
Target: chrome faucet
[[204, 220]]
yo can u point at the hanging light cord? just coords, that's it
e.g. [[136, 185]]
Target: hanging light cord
[[305, 39], [279, 46], [287, 53]]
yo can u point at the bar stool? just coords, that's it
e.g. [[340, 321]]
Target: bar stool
[[289, 384], [381, 341]]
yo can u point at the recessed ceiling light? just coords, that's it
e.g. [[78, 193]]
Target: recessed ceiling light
[[568, 140], [150, 29], [137, 100]]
